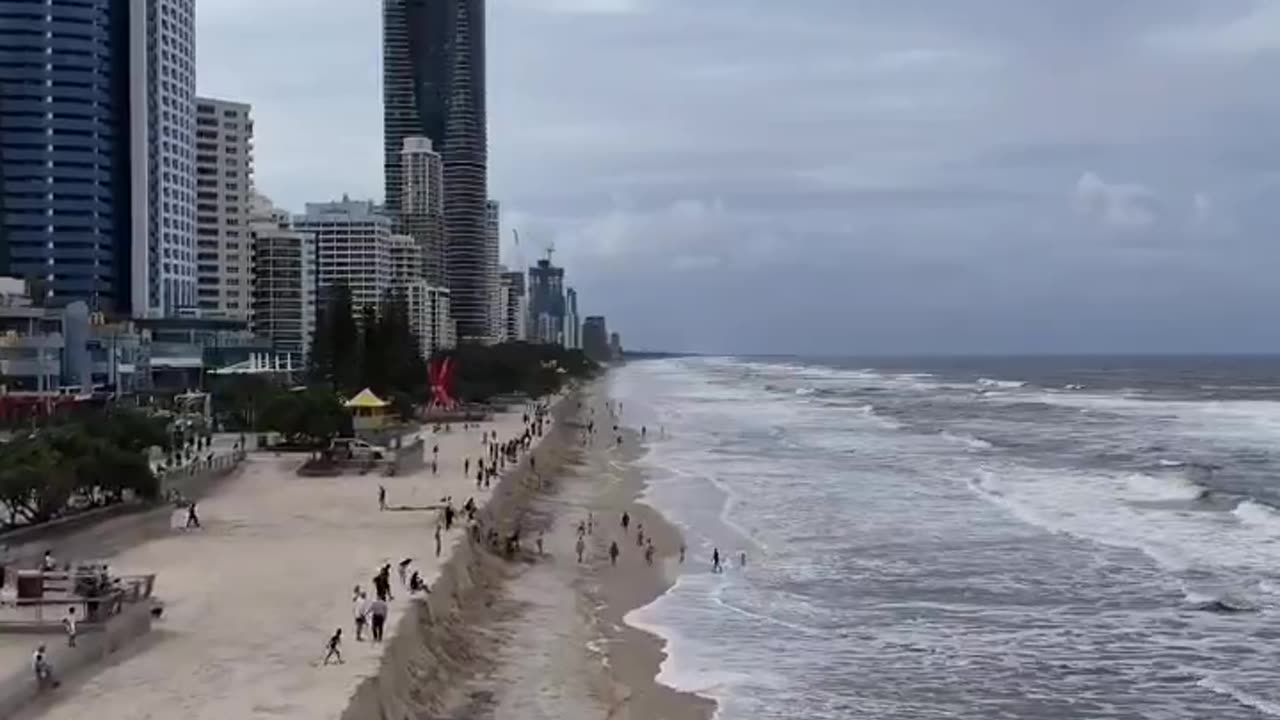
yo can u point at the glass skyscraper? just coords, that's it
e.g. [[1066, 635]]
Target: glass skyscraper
[[433, 86], [97, 166], [65, 146]]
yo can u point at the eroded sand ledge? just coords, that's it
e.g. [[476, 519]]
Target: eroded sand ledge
[[431, 648]]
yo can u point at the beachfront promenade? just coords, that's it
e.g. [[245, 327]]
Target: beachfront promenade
[[252, 596]]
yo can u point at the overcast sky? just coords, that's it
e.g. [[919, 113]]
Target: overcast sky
[[837, 176]]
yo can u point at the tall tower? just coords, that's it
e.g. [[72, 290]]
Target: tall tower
[[65, 165], [434, 87], [422, 204], [165, 73], [224, 193]]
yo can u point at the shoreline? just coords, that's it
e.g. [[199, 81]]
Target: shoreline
[[637, 653], [552, 640]]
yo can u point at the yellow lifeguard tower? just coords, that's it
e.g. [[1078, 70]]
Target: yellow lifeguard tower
[[368, 411]]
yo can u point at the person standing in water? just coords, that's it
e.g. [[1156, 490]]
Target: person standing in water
[[626, 521], [742, 559], [682, 549], [437, 539], [715, 560], [613, 553], [382, 498], [582, 545]]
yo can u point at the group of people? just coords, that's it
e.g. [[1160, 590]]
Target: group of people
[[371, 613]]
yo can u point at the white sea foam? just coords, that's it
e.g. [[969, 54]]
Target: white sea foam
[[1258, 515], [1261, 704], [1149, 487], [1000, 384], [975, 443]]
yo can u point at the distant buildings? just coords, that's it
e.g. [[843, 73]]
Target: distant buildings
[[429, 317], [595, 339], [571, 335], [615, 346], [422, 204], [224, 183], [515, 307], [285, 277], [434, 87], [546, 303], [354, 247], [492, 242]]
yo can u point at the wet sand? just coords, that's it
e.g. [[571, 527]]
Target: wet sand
[[554, 644]]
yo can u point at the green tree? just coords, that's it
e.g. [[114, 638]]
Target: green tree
[[335, 349]]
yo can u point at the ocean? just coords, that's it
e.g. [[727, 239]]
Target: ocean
[[971, 538]]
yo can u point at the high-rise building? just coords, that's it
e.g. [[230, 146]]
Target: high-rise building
[[429, 316], [546, 303], [434, 86], [571, 336], [163, 50], [98, 165], [595, 338], [66, 158], [284, 281], [224, 186], [422, 203], [353, 244], [492, 268], [515, 307], [406, 259]]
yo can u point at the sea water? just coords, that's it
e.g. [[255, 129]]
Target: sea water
[[1025, 538]]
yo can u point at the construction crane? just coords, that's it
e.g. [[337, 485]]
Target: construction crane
[[551, 251]]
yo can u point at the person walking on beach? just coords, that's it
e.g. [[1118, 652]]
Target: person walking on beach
[[613, 553], [448, 516], [437, 539], [648, 553], [715, 560], [581, 545], [640, 535], [193, 520], [69, 626], [360, 611], [382, 498], [333, 648], [43, 670], [466, 466], [377, 618], [742, 559], [626, 521]]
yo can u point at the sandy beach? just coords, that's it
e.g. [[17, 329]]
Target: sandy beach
[[251, 598], [553, 644]]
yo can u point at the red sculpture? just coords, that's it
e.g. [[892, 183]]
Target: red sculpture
[[440, 378]]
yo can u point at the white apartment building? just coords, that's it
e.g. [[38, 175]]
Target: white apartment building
[[162, 53], [284, 281], [571, 335], [224, 181], [429, 316], [407, 259], [515, 307], [353, 244], [422, 203], [492, 246]]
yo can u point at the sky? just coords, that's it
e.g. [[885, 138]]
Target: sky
[[836, 176]]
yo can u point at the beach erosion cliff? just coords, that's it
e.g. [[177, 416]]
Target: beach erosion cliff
[[434, 645]]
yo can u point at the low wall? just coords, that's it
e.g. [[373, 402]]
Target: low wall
[[433, 644], [190, 482], [96, 642]]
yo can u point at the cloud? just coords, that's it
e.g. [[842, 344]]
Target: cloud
[[893, 171], [1121, 206]]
